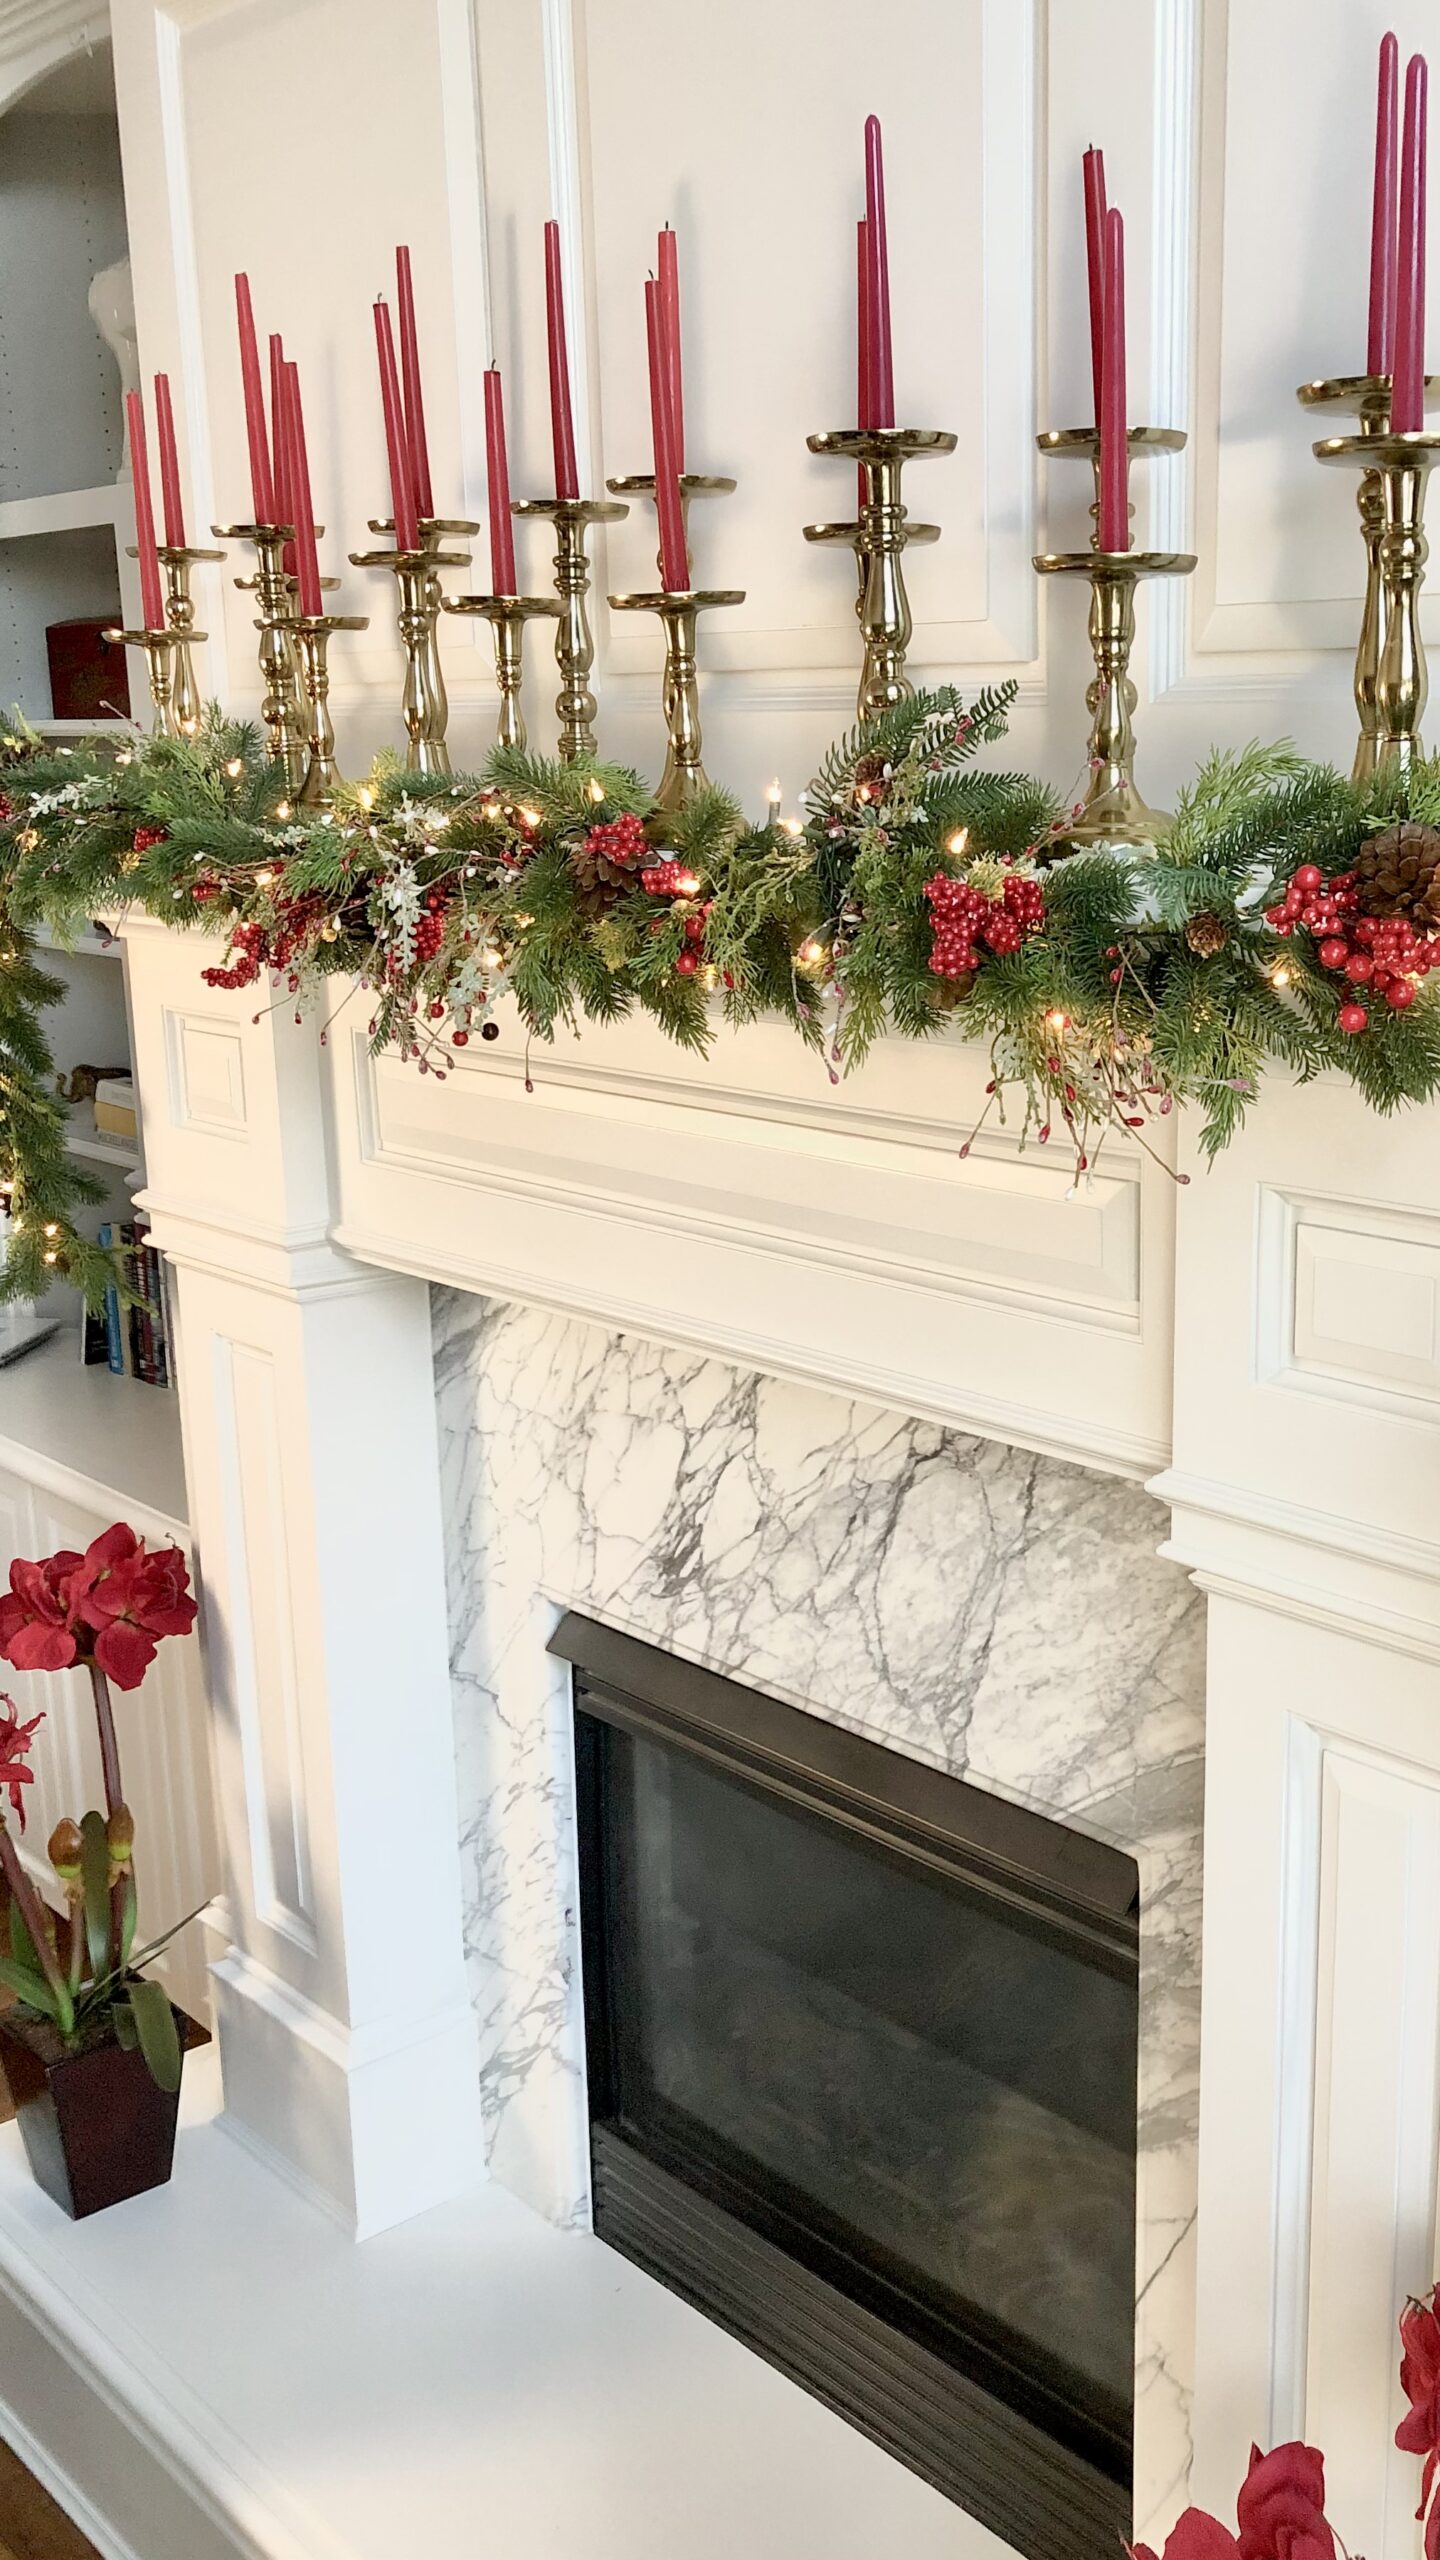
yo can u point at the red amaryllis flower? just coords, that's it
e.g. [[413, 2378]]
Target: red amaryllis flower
[[37, 1627], [1196, 2536], [15, 1744], [126, 1598], [1281, 2506], [1419, 2429]]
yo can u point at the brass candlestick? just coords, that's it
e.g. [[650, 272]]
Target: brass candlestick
[[313, 633], [1082, 444], [177, 560], [435, 532], [1367, 397], [159, 648], [417, 590], [1113, 811], [1403, 464], [507, 616], [283, 708], [684, 773], [882, 538], [575, 703]]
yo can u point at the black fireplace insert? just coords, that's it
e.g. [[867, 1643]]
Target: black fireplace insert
[[862, 2054]]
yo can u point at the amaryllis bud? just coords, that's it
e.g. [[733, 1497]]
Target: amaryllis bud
[[66, 1850], [120, 1834]]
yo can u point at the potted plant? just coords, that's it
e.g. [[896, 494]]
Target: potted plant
[[91, 2048]]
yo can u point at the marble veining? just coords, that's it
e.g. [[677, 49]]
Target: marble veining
[[1001, 1615]]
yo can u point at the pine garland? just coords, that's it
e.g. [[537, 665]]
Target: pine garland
[[919, 893]]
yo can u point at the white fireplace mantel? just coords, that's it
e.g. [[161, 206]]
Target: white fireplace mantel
[[1262, 1344]]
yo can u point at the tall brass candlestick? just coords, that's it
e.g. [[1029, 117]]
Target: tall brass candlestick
[[313, 633], [1113, 810], [880, 540], [159, 648], [1403, 464], [507, 616], [575, 703], [282, 708], [177, 560], [417, 588], [1366, 396], [435, 532], [678, 613]]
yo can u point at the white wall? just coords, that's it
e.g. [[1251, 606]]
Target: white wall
[[1237, 142]]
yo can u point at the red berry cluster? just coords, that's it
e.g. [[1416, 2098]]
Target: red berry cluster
[[668, 879], [7, 809], [1381, 953], [430, 928], [144, 837], [962, 919], [621, 840], [250, 945], [689, 959]]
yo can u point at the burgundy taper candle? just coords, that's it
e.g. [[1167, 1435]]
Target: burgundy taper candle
[[402, 492], [862, 348], [152, 608], [674, 558], [170, 498], [669, 277], [497, 474], [1407, 398], [307, 560], [1380, 346], [262, 488], [280, 448], [882, 371], [1095, 205], [1114, 448], [414, 397], [562, 419]]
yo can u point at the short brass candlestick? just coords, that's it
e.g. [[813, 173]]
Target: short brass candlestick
[[1403, 464], [1113, 811], [159, 648], [282, 707], [507, 617], [313, 634], [678, 613], [417, 589], [435, 532], [884, 533], [1082, 444], [177, 559], [1366, 396], [693, 485], [575, 703]]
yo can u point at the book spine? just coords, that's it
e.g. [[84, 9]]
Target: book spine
[[155, 1291], [114, 1341]]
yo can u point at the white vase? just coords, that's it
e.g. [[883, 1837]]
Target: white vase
[[112, 308]]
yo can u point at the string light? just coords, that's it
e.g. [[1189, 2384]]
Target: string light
[[1280, 976], [1057, 1021], [283, 810], [596, 790], [956, 844], [263, 879], [810, 953], [367, 796], [791, 827], [234, 765]]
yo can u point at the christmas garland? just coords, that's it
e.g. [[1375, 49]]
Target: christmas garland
[[1285, 915]]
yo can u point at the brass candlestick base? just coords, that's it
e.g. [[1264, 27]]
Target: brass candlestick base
[[1082, 444], [1113, 811], [575, 704], [684, 773], [507, 616], [435, 533], [1365, 396], [1403, 465], [283, 707], [880, 539], [159, 648], [418, 599], [313, 632], [177, 560]]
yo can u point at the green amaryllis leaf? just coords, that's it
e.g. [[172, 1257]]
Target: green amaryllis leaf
[[127, 1918], [95, 1876], [155, 2026], [30, 1987], [127, 2034], [22, 1945]]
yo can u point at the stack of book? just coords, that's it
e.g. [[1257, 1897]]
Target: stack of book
[[131, 1334]]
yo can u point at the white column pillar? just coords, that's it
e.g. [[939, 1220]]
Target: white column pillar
[[347, 2039]]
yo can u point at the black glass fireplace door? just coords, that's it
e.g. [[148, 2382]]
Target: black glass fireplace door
[[862, 2050]]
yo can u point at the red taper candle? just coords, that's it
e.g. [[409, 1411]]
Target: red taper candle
[[262, 489], [307, 560], [410, 385], [862, 346], [562, 421], [170, 498], [280, 448], [497, 473], [882, 372], [1380, 346], [674, 558], [1114, 447], [402, 493], [1407, 399], [152, 608], [1095, 265], [670, 337]]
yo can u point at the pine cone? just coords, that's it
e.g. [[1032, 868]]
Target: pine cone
[[605, 862], [870, 774], [1399, 873], [1206, 934]]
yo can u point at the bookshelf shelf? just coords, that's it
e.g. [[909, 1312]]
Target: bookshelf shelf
[[107, 1441], [84, 1139]]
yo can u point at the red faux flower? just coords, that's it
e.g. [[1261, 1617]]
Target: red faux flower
[[37, 1631], [111, 1606], [1280, 2512], [15, 1743], [1196, 2536], [1419, 2429]]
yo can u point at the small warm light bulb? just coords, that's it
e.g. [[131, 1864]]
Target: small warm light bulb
[[810, 953], [596, 790], [234, 765], [529, 817], [51, 1257], [686, 885], [284, 809], [1058, 1021], [1280, 977], [791, 827], [959, 840], [51, 1228], [367, 796], [490, 959], [263, 879]]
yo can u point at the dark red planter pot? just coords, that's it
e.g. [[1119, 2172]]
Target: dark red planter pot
[[95, 2126]]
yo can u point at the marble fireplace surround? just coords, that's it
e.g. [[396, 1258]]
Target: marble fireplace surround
[[1000, 1614], [748, 1320]]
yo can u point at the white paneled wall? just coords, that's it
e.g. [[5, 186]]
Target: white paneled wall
[[1237, 141]]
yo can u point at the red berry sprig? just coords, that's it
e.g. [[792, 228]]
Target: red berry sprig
[[963, 919], [430, 926], [1383, 955], [621, 840], [669, 879], [146, 836]]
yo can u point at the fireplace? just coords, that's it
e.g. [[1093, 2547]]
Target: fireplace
[[861, 2044]]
